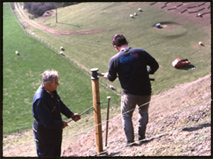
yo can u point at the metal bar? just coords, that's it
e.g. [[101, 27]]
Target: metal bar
[[102, 74], [107, 120], [82, 113]]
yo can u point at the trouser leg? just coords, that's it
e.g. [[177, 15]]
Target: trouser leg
[[143, 116], [143, 121], [48, 149], [51, 147], [57, 151], [127, 104]]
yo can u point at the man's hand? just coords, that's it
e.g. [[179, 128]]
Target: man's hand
[[75, 117], [105, 75], [65, 124]]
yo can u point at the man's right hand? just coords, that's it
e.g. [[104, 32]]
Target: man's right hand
[[65, 124], [105, 75]]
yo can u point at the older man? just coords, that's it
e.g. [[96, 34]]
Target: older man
[[46, 109], [130, 65]]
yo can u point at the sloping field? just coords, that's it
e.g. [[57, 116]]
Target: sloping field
[[179, 38], [22, 77]]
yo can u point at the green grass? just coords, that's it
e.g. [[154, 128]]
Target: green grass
[[22, 74], [165, 45]]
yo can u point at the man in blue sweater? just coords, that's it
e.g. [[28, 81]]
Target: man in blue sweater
[[130, 65], [47, 109]]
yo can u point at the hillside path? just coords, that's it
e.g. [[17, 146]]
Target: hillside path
[[47, 29]]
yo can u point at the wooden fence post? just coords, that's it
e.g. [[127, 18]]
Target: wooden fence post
[[97, 110]]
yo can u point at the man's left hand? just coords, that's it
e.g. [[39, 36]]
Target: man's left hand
[[75, 117]]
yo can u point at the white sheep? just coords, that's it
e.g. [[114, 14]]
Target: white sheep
[[135, 14], [199, 15], [139, 9], [111, 87], [61, 53], [62, 48], [158, 25], [200, 43], [17, 53], [131, 16]]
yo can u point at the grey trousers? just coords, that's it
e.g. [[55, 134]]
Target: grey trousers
[[128, 104]]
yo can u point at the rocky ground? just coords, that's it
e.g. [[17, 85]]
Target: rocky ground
[[179, 125]]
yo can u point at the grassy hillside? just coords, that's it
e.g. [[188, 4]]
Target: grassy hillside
[[179, 40], [22, 77]]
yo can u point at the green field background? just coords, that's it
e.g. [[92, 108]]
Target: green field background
[[22, 77], [22, 74]]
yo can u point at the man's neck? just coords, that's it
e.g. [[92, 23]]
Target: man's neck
[[123, 48], [46, 89]]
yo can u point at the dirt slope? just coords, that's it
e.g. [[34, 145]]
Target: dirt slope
[[179, 125]]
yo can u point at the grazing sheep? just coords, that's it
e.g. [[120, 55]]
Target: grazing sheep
[[158, 25], [131, 16], [135, 14], [62, 48], [17, 53], [199, 15], [62, 53], [200, 43], [111, 87], [139, 9]]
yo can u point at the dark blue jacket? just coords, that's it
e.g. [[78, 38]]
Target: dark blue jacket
[[47, 111], [130, 66]]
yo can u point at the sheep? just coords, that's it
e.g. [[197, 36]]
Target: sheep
[[62, 53], [111, 87], [200, 43], [158, 25], [139, 9], [135, 14], [17, 53], [199, 15], [62, 48], [131, 16]]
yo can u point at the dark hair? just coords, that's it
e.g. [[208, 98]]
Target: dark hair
[[119, 40]]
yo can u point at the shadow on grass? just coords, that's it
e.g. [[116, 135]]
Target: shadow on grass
[[197, 127], [187, 67]]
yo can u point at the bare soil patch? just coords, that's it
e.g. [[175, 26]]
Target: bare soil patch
[[179, 125]]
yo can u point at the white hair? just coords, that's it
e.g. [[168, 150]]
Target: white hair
[[49, 76]]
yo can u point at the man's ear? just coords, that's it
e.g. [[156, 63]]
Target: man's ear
[[116, 48]]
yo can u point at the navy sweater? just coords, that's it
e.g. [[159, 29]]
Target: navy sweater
[[131, 67], [46, 109]]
